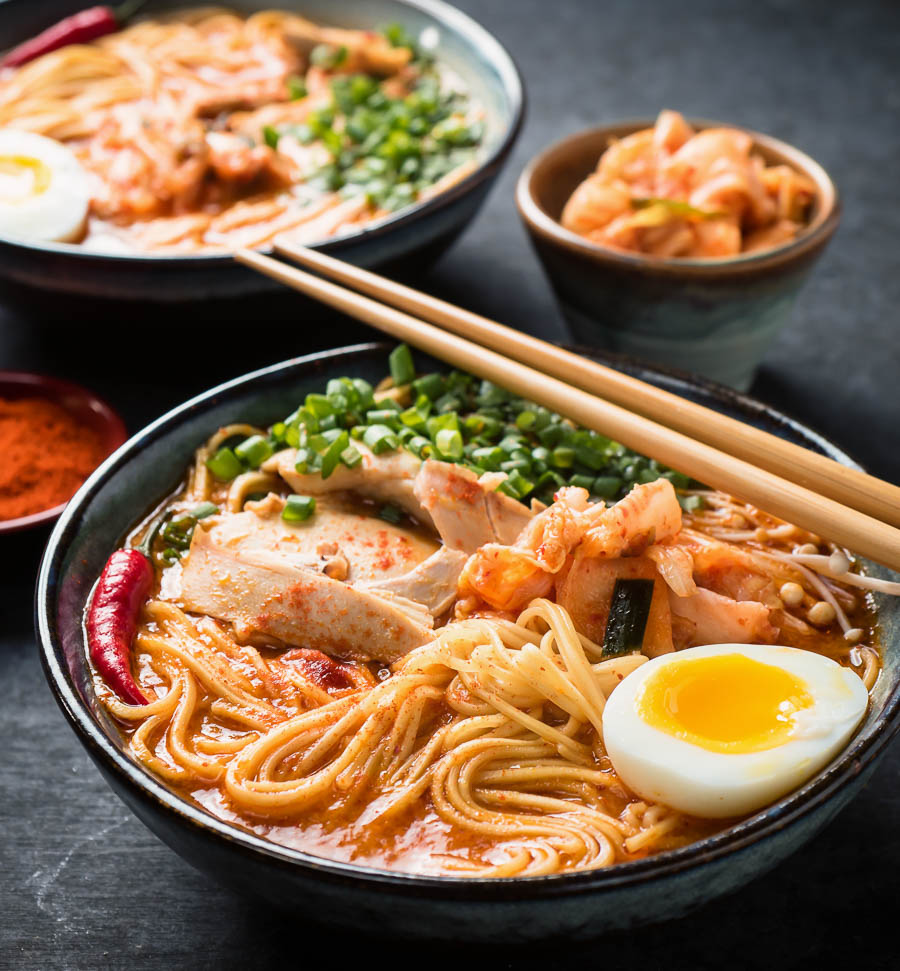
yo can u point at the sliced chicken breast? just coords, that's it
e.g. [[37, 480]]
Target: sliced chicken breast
[[433, 583], [467, 512], [263, 593], [387, 478]]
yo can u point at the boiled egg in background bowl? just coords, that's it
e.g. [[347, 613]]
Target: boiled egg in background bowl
[[44, 192], [725, 729]]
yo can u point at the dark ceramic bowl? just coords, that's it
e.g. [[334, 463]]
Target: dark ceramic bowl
[[713, 317], [577, 905], [83, 405], [417, 234]]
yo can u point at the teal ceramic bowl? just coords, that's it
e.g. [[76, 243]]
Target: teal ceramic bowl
[[712, 317], [577, 905], [411, 237]]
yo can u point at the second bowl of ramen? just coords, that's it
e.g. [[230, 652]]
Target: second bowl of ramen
[[688, 254], [139, 161]]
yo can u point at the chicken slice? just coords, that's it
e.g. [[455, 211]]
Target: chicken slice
[[263, 594], [373, 549], [467, 512], [709, 618], [388, 477], [364, 50], [433, 583]]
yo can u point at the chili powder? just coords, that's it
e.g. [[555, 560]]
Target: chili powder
[[45, 455]]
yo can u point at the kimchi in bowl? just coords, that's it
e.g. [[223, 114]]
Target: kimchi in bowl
[[578, 904], [713, 316]]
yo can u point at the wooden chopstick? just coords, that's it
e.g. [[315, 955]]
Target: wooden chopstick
[[782, 498], [823, 475]]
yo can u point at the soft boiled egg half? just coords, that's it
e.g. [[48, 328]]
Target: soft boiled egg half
[[726, 729], [44, 191]]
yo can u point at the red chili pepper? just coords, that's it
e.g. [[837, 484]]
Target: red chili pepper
[[112, 619], [80, 28]]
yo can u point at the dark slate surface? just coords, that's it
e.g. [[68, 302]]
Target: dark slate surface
[[85, 886]]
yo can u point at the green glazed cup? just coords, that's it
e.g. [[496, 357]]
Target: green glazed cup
[[712, 317]]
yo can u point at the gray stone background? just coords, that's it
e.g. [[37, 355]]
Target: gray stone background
[[84, 885]]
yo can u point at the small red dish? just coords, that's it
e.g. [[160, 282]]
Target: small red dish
[[82, 404]]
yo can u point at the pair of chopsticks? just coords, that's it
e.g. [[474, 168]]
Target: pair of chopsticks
[[809, 490]]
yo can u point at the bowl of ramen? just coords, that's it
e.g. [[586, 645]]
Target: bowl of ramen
[[136, 156], [407, 648], [683, 242]]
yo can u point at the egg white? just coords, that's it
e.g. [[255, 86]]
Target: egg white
[[46, 198], [665, 769]]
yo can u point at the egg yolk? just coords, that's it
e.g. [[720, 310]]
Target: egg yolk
[[723, 703], [22, 176]]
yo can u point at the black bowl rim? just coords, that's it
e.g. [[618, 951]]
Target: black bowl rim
[[787, 811], [513, 88], [816, 234]]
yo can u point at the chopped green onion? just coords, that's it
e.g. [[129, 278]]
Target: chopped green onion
[[319, 405], [430, 385], [390, 514], [582, 482], [224, 465], [253, 451], [380, 438], [525, 420], [419, 446], [449, 444], [298, 509], [332, 455], [563, 457], [270, 136], [296, 88], [384, 416], [606, 486], [204, 509], [403, 370], [351, 456]]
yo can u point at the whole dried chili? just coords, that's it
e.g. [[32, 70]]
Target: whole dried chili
[[113, 612], [46, 455], [112, 620], [79, 28]]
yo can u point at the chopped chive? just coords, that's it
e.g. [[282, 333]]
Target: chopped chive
[[253, 451], [606, 486], [525, 420], [270, 136], [380, 438], [390, 514], [384, 416], [332, 455], [449, 443], [224, 465], [296, 88], [351, 456], [430, 385], [563, 457], [403, 370], [298, 509], [204, 509]]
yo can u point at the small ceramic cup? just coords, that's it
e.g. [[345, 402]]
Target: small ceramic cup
[[713, 317]]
